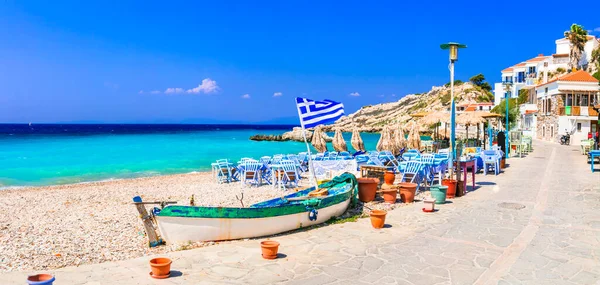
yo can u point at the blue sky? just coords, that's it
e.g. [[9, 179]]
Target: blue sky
[[107, 61]]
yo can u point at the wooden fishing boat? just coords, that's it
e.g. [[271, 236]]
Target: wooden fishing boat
[[180, 224]]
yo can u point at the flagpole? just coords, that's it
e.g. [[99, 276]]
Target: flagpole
[[310, 166]]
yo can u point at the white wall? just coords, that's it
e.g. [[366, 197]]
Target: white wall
[[562, 46], [576, 136]]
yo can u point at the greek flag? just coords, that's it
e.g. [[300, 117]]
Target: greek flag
[[313, 113]]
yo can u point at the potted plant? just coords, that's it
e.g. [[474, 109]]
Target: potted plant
[[451, 184], [407, 191], [367, 188], [378, 218], [439, 193], [429, 205], [40, 279], [161, 267], [389, 177], [269, 249]]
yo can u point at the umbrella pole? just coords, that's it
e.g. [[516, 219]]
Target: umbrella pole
[[310, 165]]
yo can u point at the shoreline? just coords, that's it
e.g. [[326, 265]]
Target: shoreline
[[49, 227]]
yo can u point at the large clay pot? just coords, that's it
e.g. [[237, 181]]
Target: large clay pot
[[389, 177], [438, 192], [503, 163], [367, 188], [269, 249], [161, 267], [407, 191], [378, 218], [40, 279], [390, 195], [451, 183]]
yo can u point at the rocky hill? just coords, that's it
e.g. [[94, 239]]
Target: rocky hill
[[372, 118]]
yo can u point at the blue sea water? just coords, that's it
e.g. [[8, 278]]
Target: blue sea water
[[61, 154]]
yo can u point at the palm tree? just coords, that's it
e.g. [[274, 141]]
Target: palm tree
[[596, 58], [577, 35]]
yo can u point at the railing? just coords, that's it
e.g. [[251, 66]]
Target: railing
[[576, 111]]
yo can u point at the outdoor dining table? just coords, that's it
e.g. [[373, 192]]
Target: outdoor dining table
[[464, 165], [593, 154]]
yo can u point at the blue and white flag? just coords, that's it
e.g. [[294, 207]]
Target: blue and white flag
[[313, 113]]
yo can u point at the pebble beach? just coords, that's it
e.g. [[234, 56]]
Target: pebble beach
[[70, 225]]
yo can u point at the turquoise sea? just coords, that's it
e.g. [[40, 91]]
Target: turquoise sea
[[61, 154]]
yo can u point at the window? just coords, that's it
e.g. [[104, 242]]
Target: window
[[579, 127], [546, 90], [584, 100]]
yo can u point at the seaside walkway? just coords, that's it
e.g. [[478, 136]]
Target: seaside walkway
[[536, 223]]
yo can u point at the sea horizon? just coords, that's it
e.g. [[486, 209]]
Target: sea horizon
[[58, 154]]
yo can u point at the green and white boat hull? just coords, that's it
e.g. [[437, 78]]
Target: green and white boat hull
[[181, 224]]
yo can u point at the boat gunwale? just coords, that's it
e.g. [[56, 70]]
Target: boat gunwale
[[251, 212]]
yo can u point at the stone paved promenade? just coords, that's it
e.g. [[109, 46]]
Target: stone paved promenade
[[554, 239]]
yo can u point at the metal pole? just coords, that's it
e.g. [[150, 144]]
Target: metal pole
[[452, 119], [310, 166], [506, 135]]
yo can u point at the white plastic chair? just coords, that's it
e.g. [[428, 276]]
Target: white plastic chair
[[490, 160]]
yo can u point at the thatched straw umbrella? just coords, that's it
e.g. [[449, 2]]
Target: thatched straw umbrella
[[386, 142], [318, 140], [414, 137], [356, 141], [469, 119], [435, 118], [339, 144], [399, 138]]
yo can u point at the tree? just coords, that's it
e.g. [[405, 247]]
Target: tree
[[523, 96], [477, 79], [577, 35], [513, 111], [596, 58], [456, 83]]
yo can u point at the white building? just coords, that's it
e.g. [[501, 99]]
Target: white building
[[539, 69], [565, 105], [566, 97]]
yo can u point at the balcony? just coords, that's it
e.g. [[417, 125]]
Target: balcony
[[577, 111], [531, 81]]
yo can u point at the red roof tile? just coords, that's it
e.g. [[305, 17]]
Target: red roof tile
[[540, 57], [579, 76], [560, 55]]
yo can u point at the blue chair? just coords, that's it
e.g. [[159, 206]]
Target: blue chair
[[427, 163], [490, 160], [224, 171], [412, 173], [289, 174], [251, 172]]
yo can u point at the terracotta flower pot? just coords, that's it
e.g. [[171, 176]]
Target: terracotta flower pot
[[390, 195], [503, 163], [40, 279], [407, 191], [378, 218], [389, 177], [269, 249], [161, 267], [367, 188], [451, 183]]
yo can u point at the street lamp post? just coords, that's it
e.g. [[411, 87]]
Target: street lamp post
[[453, 47], [507, 89]]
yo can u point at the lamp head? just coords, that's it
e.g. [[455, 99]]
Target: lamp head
[[453, 47]]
